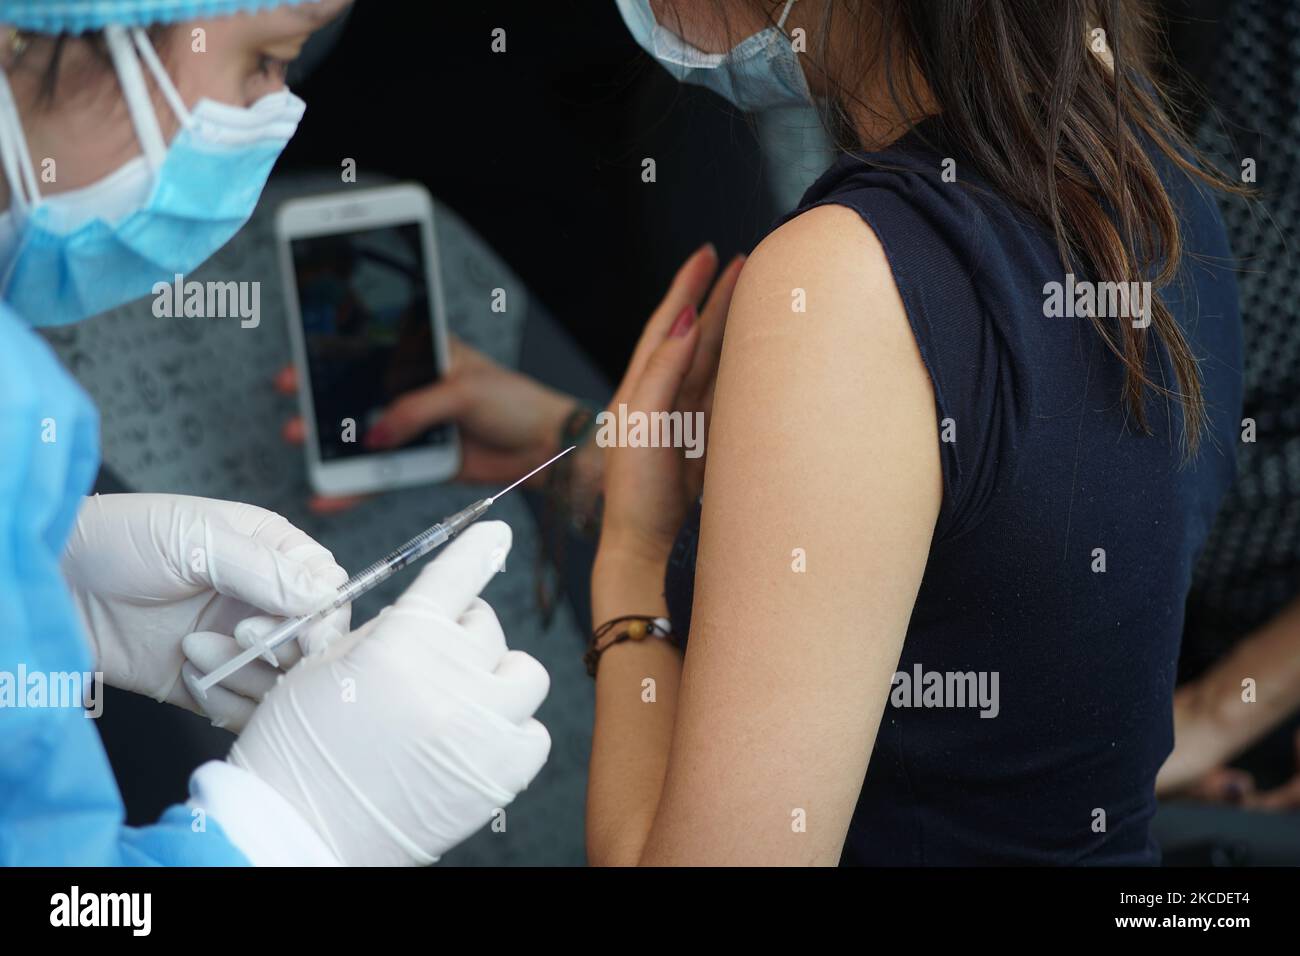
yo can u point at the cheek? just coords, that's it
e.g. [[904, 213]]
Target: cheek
[[210, 76], [259, 85]]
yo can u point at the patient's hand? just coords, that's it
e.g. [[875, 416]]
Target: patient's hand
[[1214, 723], [1235, 786], [508, 423]]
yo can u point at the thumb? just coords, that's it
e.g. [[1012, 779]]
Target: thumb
[[415, 411]]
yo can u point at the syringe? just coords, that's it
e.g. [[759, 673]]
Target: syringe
[[361, 582]]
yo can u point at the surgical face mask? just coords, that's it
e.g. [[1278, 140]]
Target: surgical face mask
[[75, 254], [760, 73]]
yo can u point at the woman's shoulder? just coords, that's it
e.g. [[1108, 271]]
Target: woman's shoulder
[[941, 224], [957, 271], [820, 274]]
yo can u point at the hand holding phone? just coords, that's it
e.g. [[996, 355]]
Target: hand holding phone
[[367, 325], [506, 421]]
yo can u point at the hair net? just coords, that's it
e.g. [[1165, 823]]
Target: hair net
[[78, 16]]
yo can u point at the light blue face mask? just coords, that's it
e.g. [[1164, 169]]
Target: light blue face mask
[[762, 72], [77, 253]]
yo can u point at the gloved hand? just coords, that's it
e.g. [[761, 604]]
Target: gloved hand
[[157, 578], [404, 737]]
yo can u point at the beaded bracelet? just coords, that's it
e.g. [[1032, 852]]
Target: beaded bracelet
[[639, 627]]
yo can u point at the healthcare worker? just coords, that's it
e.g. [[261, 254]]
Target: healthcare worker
[[132, 151]]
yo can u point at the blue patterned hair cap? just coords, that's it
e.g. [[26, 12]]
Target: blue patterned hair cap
[[79, 16]]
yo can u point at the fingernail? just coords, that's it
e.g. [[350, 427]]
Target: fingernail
[[683, 323], [708, 246], [378, 436]]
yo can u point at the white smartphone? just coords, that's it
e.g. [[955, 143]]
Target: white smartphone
[[367, 323]]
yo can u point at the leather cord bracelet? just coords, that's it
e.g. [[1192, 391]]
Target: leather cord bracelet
[[638, 628]]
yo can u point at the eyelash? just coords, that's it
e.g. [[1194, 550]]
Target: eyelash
[[272, 67]]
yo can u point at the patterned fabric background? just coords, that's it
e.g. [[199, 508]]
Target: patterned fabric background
[[1251, 565]]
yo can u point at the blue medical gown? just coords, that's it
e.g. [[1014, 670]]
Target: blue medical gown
[[59, 803]]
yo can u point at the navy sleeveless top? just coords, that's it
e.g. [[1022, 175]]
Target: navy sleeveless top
[[1065, 541]]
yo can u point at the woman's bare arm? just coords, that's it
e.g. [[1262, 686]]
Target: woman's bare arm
[[824, 445]]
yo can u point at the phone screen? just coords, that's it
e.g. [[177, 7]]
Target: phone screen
[[367, 320]]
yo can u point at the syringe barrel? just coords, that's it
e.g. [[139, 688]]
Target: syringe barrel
[[368, 578], [465, 517], [285, 632]]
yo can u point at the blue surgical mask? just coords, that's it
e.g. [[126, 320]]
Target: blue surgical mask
[[77, 253], [760, 73]]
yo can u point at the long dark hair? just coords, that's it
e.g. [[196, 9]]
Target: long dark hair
[[1018, 87]]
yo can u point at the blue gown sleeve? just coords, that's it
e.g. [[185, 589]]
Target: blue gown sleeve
[[59, 803]]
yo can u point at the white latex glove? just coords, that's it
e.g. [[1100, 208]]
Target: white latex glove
[[406, 736], [159, 578]]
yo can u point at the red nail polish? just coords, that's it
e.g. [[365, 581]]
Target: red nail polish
[[683, 323], [378, 437]]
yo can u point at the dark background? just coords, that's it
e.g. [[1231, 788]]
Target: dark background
[[540, 148]]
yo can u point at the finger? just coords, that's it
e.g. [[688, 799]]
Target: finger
[[519, 685], [687, 289], [294, 431], [416, 411], [286, 380], [483, 627], [276, 531], [531, 747], [207, 651], [313, 640], [317, 638], [465, 657], [344, 645], [713, 322], [224, 708], [247, 569], [1285, 797], [666, 370], [448, 585], [462, 357], [459, 354], [298, 545], [1224, 785], [252, 632], [325, 505]]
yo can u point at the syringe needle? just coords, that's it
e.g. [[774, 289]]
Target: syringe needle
[[531, 473]]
